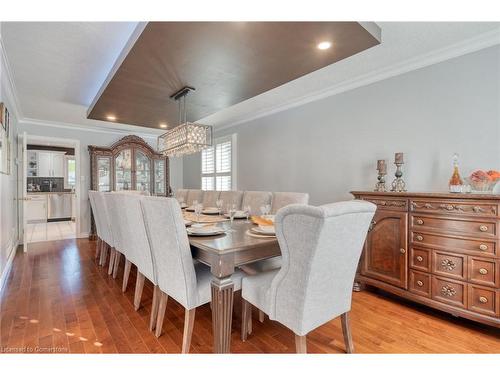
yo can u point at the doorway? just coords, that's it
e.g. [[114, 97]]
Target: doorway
[[50, 189]]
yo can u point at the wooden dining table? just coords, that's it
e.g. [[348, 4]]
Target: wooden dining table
[[224, 254]]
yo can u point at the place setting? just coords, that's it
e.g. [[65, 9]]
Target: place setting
[[264, 224]]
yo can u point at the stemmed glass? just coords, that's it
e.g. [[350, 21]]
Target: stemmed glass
[[247, 210], [198, 207], [181, 201], [219, 203], [231, 210]]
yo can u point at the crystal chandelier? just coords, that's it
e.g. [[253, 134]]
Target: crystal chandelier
[[188, 137]]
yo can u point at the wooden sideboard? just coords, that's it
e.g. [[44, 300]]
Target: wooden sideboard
[[438, 249]]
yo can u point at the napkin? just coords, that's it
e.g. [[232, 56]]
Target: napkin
[[261, 221]]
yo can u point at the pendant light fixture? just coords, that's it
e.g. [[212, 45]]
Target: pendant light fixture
[[187, 137]]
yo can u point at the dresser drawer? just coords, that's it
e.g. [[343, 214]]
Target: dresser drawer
[[467, 227], [484, 271], [420, 259], [483, 300], [451, 292], [479, 246], [394, 204], [449, 265], [420, 283], [454, 207]]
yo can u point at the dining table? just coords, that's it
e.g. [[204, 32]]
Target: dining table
[[224, 253]]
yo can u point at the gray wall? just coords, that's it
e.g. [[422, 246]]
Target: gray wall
[[330, 146]]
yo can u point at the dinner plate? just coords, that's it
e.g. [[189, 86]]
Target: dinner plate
[[183, 205], [187, 223], [238, 215], [210, 211], [205, 231], [264, 230], [190, 209]]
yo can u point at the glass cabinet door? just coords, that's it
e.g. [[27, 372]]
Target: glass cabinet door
[[142, 172], [123, 170], [103, 173], [159, 177]]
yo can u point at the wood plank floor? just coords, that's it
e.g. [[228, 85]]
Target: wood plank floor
[[58, 300]]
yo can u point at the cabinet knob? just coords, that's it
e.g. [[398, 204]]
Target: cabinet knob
[[483, 271], [420, 221], [483, 299], [420, 238], [483, 228], [483, 247], [420, 283], [402, 251], [448, 264], [420, 259]]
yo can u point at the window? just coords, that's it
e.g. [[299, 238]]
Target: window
[[69, 173], [217, 171]]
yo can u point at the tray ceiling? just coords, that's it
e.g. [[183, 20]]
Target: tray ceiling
[[227, 63]]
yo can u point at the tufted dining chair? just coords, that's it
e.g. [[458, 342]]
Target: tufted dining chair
[[321, 247], [181, 195], [194, 195], [231, 197], [135, 244], [255, 199], [210, 198], [179, 277], [282, 199]]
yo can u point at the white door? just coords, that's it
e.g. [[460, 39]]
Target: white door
[[57, 165], [22, 143], [44, 164]]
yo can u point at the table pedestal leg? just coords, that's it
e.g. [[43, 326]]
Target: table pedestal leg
[[222, 313]]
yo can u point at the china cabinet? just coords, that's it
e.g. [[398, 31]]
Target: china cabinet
[[437, 249], [129, 164]]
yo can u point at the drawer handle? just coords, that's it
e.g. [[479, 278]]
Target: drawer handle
[[420, 221], [483, 228], [483, 271], [483, 299], [448, 264], [448, 291], [420, 238], [420, 283], [483, 247], [420, 259], [402, 251]]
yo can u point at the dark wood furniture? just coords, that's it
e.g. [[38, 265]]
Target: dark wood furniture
[[438, 249], [128, 164], [224, 253]]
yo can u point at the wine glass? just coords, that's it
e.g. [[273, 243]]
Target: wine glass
[[231, 210], [268, 209], [263, 210], [197, 210], [181, 201], [219, 203], [247, 210]]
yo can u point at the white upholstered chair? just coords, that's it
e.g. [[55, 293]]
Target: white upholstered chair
[[256, 199], [179, 277], [231, 197], [321, 247], [104, 223], [282, 199], [194, 195], [210, 198], [138, 192], [181, 195]]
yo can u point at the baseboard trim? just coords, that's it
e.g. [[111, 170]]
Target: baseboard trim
[[8, 267]]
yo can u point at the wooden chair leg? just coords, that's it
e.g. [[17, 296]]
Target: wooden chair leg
[[116, 264], [188, 329], [112, 254], [346, 330], [139, 286], [262, 316], [98, 248], [126, 274], [246, 319], [301, 344], [161, 313], [154, 308]]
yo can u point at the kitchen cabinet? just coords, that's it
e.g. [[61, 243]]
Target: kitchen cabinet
[[50, 164], [37, 208]]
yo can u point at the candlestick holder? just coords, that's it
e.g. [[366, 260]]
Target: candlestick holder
[[380, 185], [398, 184]]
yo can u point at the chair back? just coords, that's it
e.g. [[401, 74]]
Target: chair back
[[194, 195], [231, 197], [321, 247], [210, 198], [281, 199], [181, 194], [101, 211], [170, 248], [133, 232], [256, 199]]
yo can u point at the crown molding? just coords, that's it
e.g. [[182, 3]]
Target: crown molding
[[95, 128], [470, 45], [11, 87]]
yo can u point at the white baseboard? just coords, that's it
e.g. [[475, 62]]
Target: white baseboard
[[8, 266], [84, 235]]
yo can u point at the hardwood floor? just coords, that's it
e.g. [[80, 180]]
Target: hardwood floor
[[57, 299]]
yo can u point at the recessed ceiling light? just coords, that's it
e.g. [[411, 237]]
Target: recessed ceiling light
[[163, 125], [111, 117], [324, 45]]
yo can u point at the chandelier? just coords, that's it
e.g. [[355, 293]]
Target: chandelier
[[187, 137]]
